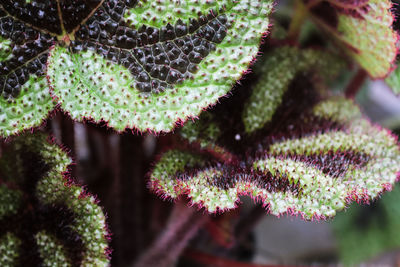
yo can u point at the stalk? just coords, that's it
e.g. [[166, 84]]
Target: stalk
[[182, 226], [300, 14]]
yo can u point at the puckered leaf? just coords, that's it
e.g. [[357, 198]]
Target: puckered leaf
[[280, 68], [314, 174], [312, 157], [27, 31], [54, 17], [44, 217], [24, 95], [364, 30], [28, 109], [146, 65], [154, 72]]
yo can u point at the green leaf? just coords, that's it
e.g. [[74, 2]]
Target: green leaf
[[312, 156], [280, 68], [25, 99], [283, 68], [27, 31], [109, 63], [204, 131], [159, 71], [9, 246], [363, 29], [313, 174], [38, 202], [51, 250], [28, 109]]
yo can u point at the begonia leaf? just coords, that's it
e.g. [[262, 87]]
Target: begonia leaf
[[146, 65], [312, 157], [25, 98], [46, 219], [363, 29], [155, 63], [313, 173], [280, 68]]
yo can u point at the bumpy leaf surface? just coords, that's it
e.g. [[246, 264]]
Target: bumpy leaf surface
[[24, 95], [144, 65], [280, 68], [148, 66], [312, 157], [45, 219], [364, 30], [27, 31], [314, 174]]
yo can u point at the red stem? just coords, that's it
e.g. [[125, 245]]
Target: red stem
[[356, 84], [68, 139], [211, 260], [183, 224]]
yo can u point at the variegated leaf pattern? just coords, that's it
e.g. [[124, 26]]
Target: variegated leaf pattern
[[157, 63], [28, 29], [25, 98], [145, 65], [46, 219], [279, 69], [313, 174], [312, 157]]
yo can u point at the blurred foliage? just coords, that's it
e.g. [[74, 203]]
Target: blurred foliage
[[364, 232]]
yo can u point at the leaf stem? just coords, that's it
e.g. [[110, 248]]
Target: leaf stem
[[300, 13], [182, 225], [313, 3], [356, 83], [134, 195], [211, 260], [68, 139]]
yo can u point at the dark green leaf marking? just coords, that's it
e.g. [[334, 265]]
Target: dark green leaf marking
[[311, 156], [27, 55], [157, 57], [106, 60]]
